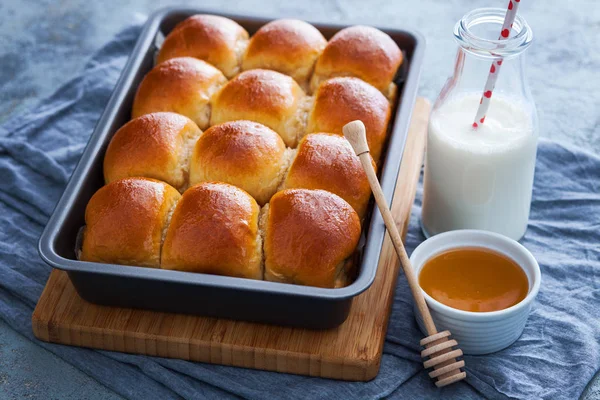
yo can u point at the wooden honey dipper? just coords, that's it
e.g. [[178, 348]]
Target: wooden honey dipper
[[439, 352]]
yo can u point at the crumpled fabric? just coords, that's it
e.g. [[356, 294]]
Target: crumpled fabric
[[556, 356]]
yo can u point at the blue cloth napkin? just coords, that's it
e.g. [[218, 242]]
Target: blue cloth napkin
[[555, 357]]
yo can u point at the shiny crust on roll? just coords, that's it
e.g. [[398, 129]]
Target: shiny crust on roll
[[157, 145], [289, 46], [214, 230], [216, 40], [342, 100], [242, 153], [363, 52], [264, 96], [327, 161], [182, 85], [309, 235], [126, 221]]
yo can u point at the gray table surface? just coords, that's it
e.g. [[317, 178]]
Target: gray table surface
[[45, 43]]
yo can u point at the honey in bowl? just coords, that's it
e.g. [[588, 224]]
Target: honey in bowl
[[474, 279]]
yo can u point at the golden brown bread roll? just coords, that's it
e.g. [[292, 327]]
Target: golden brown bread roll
[[126, 221], [363, 52], [157, 145], [341, 100], [309, 234], [214, 230], [242, 153], [264, 96], [327, 161], [183, 85], [216, 40], [289, 46]]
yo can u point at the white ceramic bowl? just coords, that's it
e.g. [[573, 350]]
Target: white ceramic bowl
[[480, 332]]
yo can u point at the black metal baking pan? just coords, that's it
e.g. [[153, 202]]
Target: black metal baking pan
[[203, 294]]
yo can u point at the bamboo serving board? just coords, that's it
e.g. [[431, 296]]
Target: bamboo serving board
[[351, 351]]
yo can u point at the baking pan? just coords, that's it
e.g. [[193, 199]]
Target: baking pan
[[203, 294]]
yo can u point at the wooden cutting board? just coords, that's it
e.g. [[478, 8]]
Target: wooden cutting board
[[351, 351]]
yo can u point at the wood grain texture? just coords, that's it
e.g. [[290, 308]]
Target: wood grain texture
[[351, 351]]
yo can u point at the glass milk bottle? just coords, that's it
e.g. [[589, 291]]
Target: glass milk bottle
[[481, 177]]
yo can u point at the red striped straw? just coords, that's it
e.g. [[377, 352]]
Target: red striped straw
[[484, 103]]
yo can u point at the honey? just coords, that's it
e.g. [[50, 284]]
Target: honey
[[474, 279]]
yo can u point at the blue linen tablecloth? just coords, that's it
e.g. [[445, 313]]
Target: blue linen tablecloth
[[555, 357]]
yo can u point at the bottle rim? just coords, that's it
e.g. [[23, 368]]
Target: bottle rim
[[519, 40]]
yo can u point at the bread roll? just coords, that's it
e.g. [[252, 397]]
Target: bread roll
[[157, 145], [289, 46], [214, 230], [309, 234], [242, 153], [327, 161], [363, 52], [182, 85], [264, 96], [126, 221], [341, 100], [216, 40]]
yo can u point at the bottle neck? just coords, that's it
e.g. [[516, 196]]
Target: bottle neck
[[478, 34], [479, 49]]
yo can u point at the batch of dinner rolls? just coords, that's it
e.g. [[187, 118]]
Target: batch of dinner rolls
[[234, 161]]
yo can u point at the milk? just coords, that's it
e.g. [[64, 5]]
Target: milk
[[479, 178]]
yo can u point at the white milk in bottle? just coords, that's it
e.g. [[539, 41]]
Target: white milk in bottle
[[479, 178], [482, 177]]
